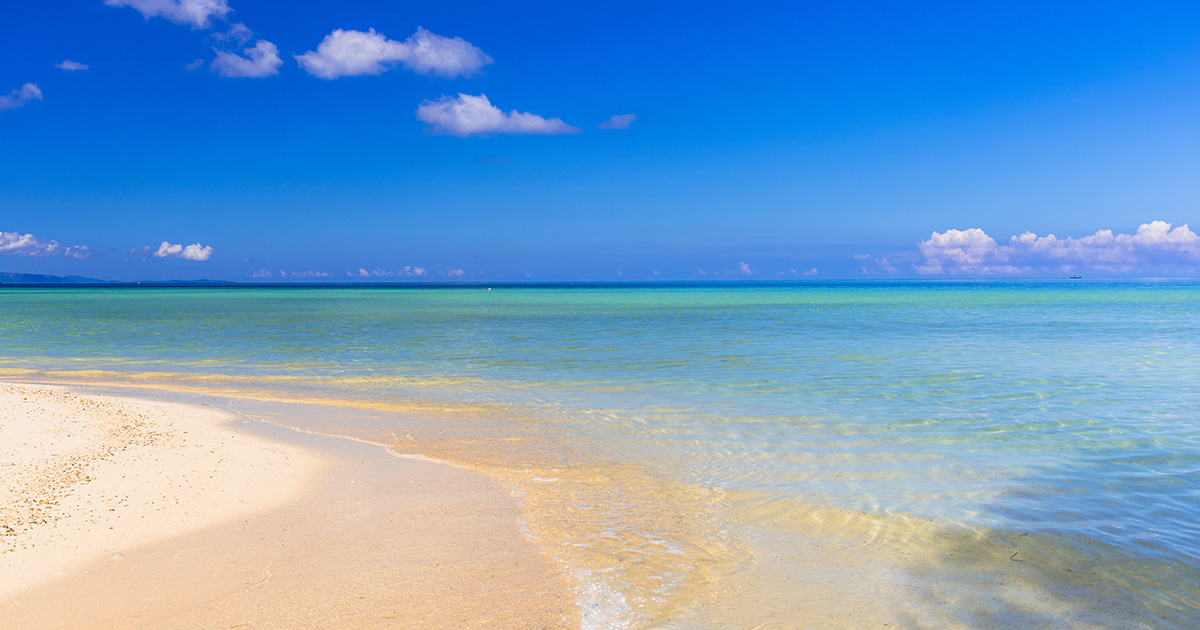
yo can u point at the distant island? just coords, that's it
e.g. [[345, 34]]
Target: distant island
[[37, 279]]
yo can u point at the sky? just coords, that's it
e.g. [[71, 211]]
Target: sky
[[255, 140]]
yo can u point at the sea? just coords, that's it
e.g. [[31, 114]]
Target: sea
[[910, 454]]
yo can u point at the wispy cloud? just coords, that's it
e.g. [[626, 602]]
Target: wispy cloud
[[1154, 247], [266, 274], [620, 121], [195, 252], [467, 115], [237, 34], [195, 13], [258, 61], [20, 96], [78, 252], [71, 66], [407, 271], [261, 60], [873, 265], [350, 53]]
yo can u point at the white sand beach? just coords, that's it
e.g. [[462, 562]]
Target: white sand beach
[[119, 512]]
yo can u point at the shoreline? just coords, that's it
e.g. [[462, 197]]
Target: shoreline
[[115, 521]]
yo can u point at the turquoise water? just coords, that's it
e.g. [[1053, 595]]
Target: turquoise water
[[1067, 413]]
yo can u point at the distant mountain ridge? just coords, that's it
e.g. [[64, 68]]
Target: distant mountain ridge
[[37, 279]]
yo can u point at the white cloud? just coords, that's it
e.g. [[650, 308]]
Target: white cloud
[[745, 269], [1154, 247], [260, 61], [443, 56], [351, 53], [30, 245], [620, 121], [455, 273], [20, 96], [196, 63], [26, 245], [475, 115], [72, 66], [811, 272], [197, 13], [195, 251], [262, 274]]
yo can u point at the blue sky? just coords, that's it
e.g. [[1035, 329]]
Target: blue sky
[[760, 140]]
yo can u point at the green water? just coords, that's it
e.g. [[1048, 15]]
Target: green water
[[746, 426]]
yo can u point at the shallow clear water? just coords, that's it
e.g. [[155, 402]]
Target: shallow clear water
[[725, 456]]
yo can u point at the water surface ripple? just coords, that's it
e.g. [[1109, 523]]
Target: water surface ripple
[[750, 455]]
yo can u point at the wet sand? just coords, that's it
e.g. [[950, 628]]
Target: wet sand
[[121, 513]]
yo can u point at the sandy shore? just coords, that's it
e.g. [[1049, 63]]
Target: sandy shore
[[118, 512]]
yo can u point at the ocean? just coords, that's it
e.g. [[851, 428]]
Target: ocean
[[974, 454]]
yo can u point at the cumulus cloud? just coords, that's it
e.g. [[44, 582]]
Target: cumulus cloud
[[1155, 246], [745, 269], [71, 66], [467, 115], [195, 251], [620, 121], [196, 13], [26, 245], [811, 272], [350, 53], [20, 96], [262, 60], [455, 273]]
